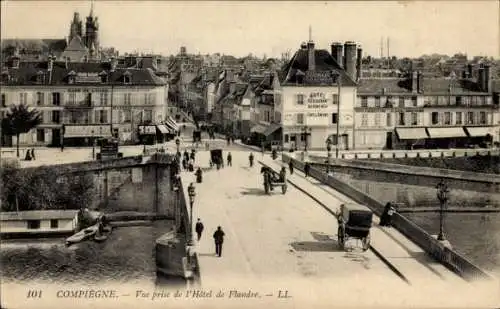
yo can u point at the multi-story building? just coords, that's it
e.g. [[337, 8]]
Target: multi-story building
[[80, 102], [316, 92], [419, 111]]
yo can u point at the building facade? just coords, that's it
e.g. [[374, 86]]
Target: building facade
[[80, 102]]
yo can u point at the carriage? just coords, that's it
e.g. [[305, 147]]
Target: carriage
[[354, 221], [216, 158], [273, 179]]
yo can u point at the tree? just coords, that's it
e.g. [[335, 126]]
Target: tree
[[19, 120]]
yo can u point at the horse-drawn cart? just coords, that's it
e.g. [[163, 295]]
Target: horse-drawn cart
[[354, 221], [273, 179]]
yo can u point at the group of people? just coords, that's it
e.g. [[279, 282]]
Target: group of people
[[188, 160], [30, 154], [218, 236]]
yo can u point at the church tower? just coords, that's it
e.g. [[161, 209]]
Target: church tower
[[92, 30], [76, 27]]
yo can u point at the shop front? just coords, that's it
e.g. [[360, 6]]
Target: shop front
[[83, 135], [482, 136], [410, 138], [446, 137], [147, 134]]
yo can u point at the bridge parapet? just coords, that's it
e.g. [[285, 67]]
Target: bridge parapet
[[427, 242]]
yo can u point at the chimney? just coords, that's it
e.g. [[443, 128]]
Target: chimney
[[337, 53], [486, 87], [480, 77], [414, 81], [469, 70], [113, 62], [350, 59], [303, 46], [311, 56], [420, 82], [359, 59]]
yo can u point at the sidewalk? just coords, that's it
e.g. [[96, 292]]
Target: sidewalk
[[406, 256]]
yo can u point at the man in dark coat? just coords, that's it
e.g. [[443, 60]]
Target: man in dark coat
[[219, 239], [199, 228], [229, 159], [290, 166], [307, 168]]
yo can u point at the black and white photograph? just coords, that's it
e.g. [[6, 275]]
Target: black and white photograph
[[246, 154]]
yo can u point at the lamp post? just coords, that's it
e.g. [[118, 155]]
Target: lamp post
[[442, 195], [93, 145], [192, 195], [336, 78], [329, 154]]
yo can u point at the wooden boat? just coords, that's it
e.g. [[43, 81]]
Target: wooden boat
[[82, 235]]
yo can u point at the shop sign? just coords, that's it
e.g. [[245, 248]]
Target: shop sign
[[87, 131], [325, 77], [147, 130], [317, 100]]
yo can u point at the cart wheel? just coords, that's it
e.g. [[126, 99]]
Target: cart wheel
[[283, 189], [366, 242]]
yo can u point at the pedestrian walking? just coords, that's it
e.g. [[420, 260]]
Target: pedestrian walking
[[33, 153], [219, 239], [263, 149], [307, 168], [228, 140], [199, 228], [229, 159], [290, 166]]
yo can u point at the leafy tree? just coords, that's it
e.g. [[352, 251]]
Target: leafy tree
[[19, 120]]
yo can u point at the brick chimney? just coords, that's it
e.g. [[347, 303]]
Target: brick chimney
[[337, 53], [310, 55], [486, 79], [480, 77], [350, 50], [359, 59]]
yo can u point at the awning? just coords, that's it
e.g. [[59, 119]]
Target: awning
[[258, 129], [271, 129], [480, 131], [87, 131], [163, 129], [411, 133], [171, 123], [446, 132]]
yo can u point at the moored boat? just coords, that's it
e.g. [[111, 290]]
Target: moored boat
[[82, 235]]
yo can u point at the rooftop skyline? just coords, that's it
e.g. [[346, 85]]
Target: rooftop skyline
[[239, 28]]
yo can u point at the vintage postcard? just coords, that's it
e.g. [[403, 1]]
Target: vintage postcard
[[242, 154]]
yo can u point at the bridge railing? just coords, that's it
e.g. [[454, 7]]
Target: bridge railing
[[431, 245]]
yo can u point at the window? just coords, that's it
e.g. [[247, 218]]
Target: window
[[414, 119], [401, 120], [286, 138], [101, 116], [56, 98], [414, 101], [364, 101], [335, 99], [447, 118], [54, 223], [335, 118], [458, 100], [40, 98], [377, 101], [127, 79], [104, 98], [23, 98], [33, 224], [482, 117], [300, 99], [470, 118], [481, 101], [458, 116], [434, 118], [56, 116], [126, 99], [388, 101], [401, 102], [88, 99], [364, 120], [40, 135], [300, 118], [3, 100], [72, 98], [127, 117], [148, 116], [388, 120], [377, 119]]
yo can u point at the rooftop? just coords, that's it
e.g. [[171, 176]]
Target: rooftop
[[37, 215]]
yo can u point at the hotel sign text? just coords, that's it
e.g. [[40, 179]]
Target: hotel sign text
[[325, 77], [317, 100]]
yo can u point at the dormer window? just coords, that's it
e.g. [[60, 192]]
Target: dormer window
[[104, 77], [71, 77], [127, 78], [15, 63]]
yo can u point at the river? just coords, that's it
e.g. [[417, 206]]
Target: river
[[127, 256]]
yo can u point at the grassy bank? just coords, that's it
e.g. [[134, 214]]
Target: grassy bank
[[478, 164]]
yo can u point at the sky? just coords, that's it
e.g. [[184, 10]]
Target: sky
[[269, 28]]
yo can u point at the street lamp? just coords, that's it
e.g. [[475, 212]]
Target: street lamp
[[329, 153], [442, 195], [192, 195]]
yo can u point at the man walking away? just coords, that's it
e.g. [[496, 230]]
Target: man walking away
[[290, 166], [307, 168], [219, 239], [199, 228], [229, 159], [33, 153]]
